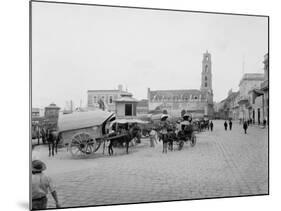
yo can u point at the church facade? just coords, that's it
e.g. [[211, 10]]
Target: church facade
[[197, 102]]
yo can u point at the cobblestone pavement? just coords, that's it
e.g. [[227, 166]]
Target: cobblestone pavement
[[223, 163]]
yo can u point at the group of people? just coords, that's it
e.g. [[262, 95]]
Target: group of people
[[211, 125], [165, 129], [245, 125], [226, 125]]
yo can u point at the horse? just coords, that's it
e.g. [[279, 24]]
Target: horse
[[171, 137], [115, 139], [53, 139]]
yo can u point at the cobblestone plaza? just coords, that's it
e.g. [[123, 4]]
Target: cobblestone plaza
[[222, 163]]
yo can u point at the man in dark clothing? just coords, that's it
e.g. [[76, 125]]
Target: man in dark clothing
[[245, 127], [225, 125], [264, 122], [230, 124], [163, 128], [211, 126]]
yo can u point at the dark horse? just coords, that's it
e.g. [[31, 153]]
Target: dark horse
[[53, 139], [120, 139]]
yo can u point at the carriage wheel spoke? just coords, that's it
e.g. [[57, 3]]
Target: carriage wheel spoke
[[81, 145]]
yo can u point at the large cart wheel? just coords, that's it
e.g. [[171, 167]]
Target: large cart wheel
[[83, 144], [193, 141]]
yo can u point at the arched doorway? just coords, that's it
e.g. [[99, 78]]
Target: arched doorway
[[254, 116], [259, 116]]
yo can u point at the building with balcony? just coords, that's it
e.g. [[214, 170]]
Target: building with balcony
[[249, 82]]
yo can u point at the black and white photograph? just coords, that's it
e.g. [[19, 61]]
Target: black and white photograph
[[142, 105]]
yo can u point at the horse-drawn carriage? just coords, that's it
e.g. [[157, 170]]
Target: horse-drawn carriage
[[134, 126], [186, 134], [83, 132], [178, 132]]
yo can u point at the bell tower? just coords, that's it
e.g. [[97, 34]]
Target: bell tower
[[206, 75]]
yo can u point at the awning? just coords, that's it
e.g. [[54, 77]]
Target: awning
[[79, 120], [157, 116], [124, 121]]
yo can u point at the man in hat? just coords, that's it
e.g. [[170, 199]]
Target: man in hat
[[186, 125], [41, 184], [245, 127]]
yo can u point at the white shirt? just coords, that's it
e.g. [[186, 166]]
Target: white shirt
[[41, 184]]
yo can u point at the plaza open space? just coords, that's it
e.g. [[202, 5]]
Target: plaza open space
[[222, 163]]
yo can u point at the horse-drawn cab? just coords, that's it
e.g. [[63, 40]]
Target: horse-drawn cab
[[132, 126], [186, 132]]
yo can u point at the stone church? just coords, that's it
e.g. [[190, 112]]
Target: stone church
[[197, 102]]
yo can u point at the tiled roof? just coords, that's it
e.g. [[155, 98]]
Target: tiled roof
[[182, 93], [126, 99], [143, 103], [105, 90]]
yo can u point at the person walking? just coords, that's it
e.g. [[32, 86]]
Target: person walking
[[225, 125], [264, 123], [164, 132], [152, 137], [211, 125], [230, 124], [245, 127], [41, 184]]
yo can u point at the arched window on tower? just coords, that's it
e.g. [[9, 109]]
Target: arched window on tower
[[206, 78], [206, 84], [206, 68]]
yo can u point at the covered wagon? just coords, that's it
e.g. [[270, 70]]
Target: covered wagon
[[82, 132]]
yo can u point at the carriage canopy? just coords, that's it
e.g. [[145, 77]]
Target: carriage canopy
[[124, 121], [79, 120]]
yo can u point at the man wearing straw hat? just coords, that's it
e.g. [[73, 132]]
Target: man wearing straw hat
[[41, 184]]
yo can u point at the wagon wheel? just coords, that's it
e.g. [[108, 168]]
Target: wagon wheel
[[193, 141], [82, 144]]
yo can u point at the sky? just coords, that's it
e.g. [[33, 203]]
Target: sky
[[76, 48]]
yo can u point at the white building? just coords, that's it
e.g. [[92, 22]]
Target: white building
[[249, 82], [107, 97]]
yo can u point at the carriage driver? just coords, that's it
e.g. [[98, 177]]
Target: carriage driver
[[186, 125]]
